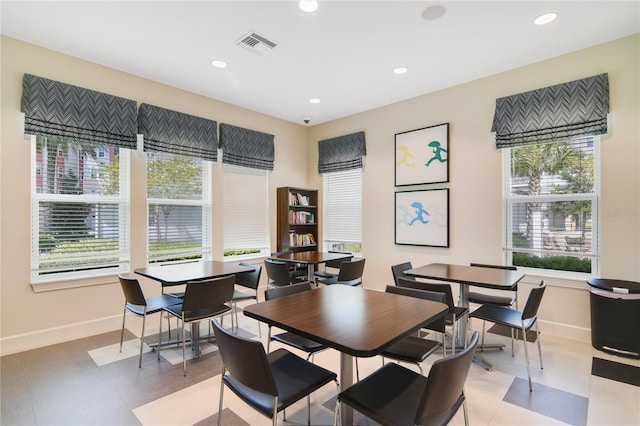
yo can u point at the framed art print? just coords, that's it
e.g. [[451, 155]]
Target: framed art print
[[422, 156], [422, 218]]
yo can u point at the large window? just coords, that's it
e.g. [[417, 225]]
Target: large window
[[551, 203], [246, 211], [179, 203], [342, 210], [80, 209]]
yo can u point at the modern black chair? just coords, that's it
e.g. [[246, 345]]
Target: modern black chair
[[398, 271], [250, 280], [298, 271], [332, 264], [413, 349], [202, 300], [395, 395], [482, 298], [516, 320], [137, 304], [267, 382], [278, 273], [350, 274], [294, 340], [454, 313]]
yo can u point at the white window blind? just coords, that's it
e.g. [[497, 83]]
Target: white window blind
[[342, 210], [80, 209], [179, 207], [246, 210]]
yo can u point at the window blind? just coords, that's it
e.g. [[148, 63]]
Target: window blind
[[341, 153], [342, 206], [247, 148]]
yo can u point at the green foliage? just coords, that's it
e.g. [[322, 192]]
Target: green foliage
[[240, 252], [557, 263]]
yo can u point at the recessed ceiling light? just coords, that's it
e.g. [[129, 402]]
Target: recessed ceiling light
[[545, 19], [434, 12], [308, 5], [400, 70], [314, 100], [218, 63]]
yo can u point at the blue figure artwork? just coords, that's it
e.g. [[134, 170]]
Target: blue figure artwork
[[437, 152], [403, 214], [420, 212]]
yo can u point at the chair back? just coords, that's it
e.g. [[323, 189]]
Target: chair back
[[533, 301], [132, 292], [398, 271], [437, 325], [208, 294], [249, 279], [245, 360], [335, 264], [274, 293], [277, 272], [435, 287], [443, 393], [350, 271]]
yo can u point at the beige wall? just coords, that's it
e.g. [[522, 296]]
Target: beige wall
[[31, 319]]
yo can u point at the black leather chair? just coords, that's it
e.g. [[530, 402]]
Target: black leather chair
[[516, 320], [137, 304], [249, 280], [332, 264], [350, 274], [202, 300], [482, 298], [413, 349], [398, 271], [298, 271], [454, 313], [294, 340], [395, 395], [267, 382], [278, 273]]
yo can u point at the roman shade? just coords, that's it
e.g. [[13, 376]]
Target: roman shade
[[553, 113], [245, 147], [341, 153], [53, 108], [174, 132]]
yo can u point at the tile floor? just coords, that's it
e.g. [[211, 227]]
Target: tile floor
[[89, 382]]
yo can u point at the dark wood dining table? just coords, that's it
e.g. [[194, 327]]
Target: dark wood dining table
[[310, 258], [355, 321], [465, 276]]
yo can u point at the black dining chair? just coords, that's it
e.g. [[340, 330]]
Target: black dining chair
[[137, 304], [516, 320], [267, 382], [350, 274], [202, 300], [480, 298], [278, 273], [334, 265], [398, 271], [251, 281], [394, 395], [297, 271]]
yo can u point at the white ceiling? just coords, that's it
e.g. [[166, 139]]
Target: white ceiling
[[342, 54]]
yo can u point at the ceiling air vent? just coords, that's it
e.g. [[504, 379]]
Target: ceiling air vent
[[256, 43]]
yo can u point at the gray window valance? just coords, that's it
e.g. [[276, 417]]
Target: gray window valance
[[553, 113], [170, 131], [247, 148], [341, 153], [53, 108]]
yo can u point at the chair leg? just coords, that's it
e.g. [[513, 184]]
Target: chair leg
[[526, 356], [357, 370], [275, 412], [124, 316], [512, 352], [159, 337], [453, 336], [269, 339], [221, 395], [539, 347], [184, 348], [336, 413], [484, 323], [144, 320], [464, 410], [309, 410]]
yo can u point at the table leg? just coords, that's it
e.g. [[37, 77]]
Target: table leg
[[461, 335], [346, 380], [311, 270]]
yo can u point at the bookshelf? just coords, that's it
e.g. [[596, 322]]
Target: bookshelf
[[297, 219]]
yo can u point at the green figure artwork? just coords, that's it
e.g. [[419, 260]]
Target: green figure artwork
[[437, 152]]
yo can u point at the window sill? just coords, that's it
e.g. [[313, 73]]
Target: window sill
[[555, 279], [42, 287]]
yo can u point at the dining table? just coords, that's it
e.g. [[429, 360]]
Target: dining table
[[465, 276], [310, 258], [355, 321], [174, 274]]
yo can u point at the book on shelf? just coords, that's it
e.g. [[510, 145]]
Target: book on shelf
[[301, 239]]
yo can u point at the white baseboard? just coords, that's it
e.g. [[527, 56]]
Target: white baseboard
[[565, 330]]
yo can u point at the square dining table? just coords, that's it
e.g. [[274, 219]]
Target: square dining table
[[355, 321], [310, 258]]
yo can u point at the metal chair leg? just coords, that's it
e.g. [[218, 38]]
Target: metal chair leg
[[526, 356], [221, 394], [124, 316], [539, 346]]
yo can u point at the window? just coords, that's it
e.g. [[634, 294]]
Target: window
[[79, 225], [551, 203], [246, 211], [179, 207], [342, 210]]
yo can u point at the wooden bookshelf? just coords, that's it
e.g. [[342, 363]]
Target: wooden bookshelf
[[297, 225]]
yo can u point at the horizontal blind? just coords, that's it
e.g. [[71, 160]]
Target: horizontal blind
[[246, 208], [342, 205]]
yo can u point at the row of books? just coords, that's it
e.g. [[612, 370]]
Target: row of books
[[297, 199], [300, 239], [301, 217]]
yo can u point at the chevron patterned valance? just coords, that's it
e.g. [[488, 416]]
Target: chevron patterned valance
[[53, 108], [170, 131], [553, 113], [247, 148], [341, 153]]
